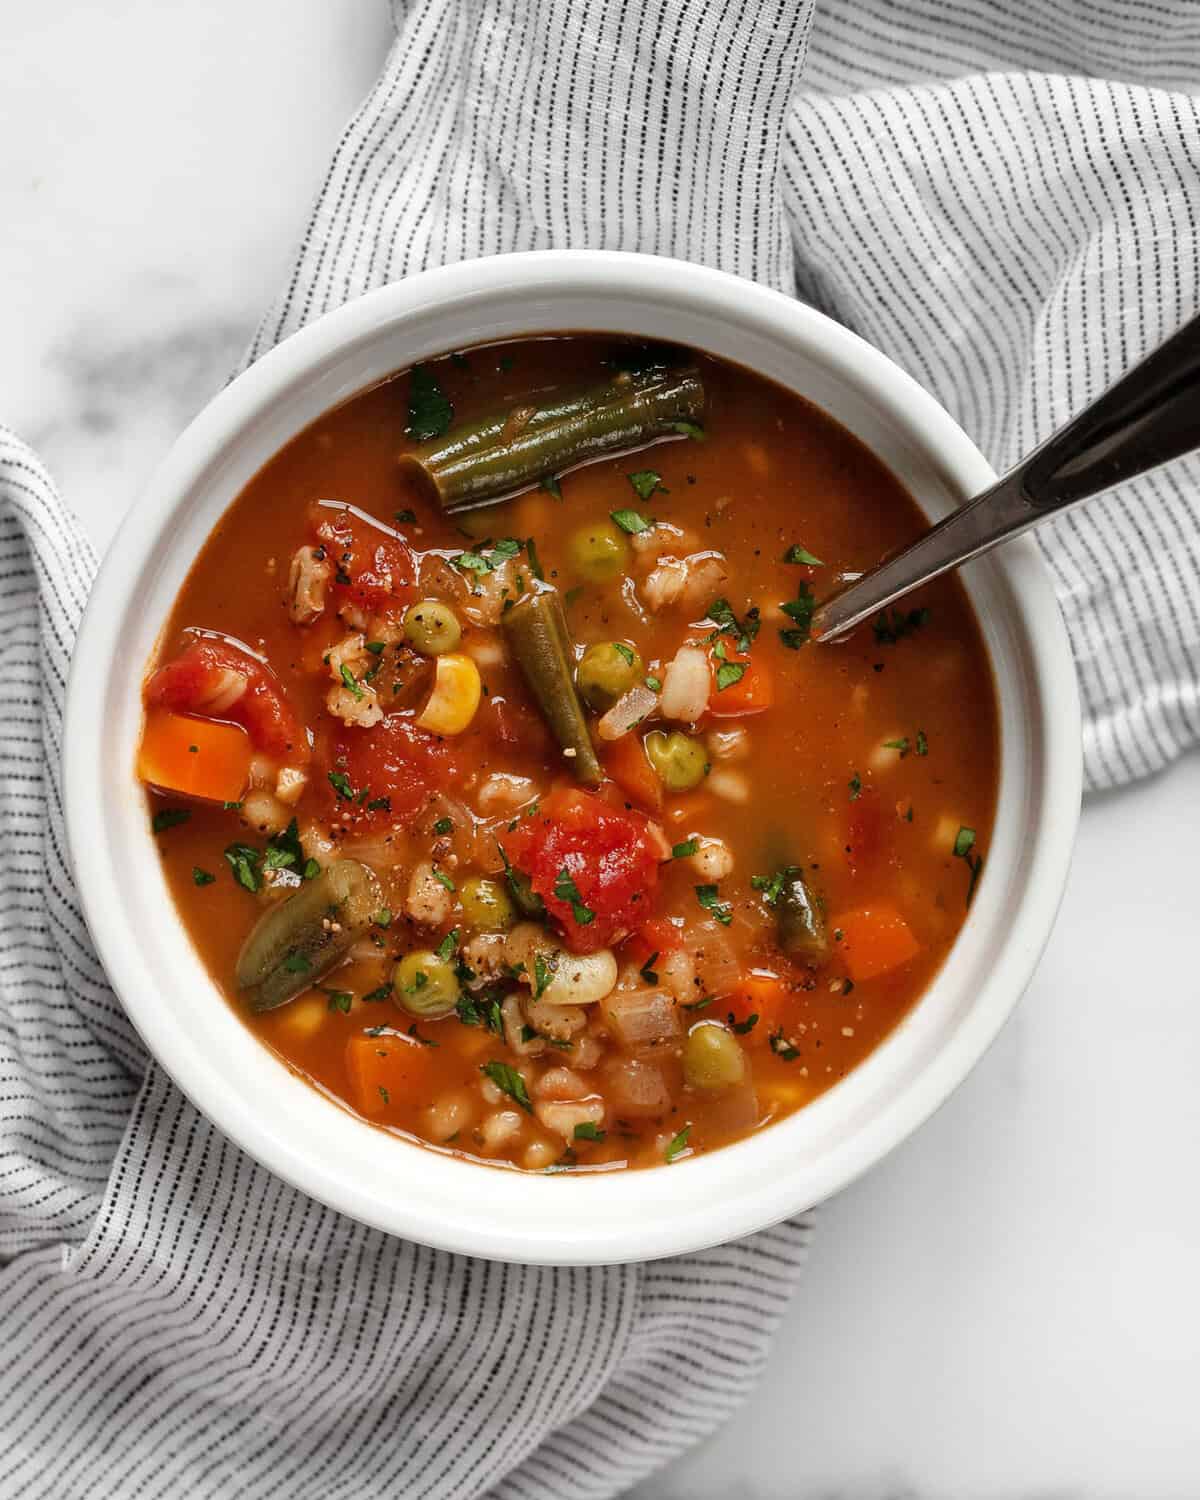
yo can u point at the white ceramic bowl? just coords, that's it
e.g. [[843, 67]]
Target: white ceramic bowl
[[420, 1193]]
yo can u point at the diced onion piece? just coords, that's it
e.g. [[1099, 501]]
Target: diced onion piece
[[627, 712], [635, 1090], [686, 685], [642, 1020], [455, 696]]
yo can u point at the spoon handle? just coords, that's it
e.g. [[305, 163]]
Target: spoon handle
[[1150, 415]]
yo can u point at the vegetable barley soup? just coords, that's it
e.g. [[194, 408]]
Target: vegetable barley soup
[[501, 790]]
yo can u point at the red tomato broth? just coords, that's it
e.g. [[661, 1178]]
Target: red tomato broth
[[871, 828]]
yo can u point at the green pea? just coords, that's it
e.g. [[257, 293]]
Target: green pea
[[712, 1058], [679, 760], [431, 627], [425, 985], [607, 671], [598, 551], [486, 905]]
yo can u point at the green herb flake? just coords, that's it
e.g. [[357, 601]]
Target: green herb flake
[[340, 1000], [340, 782], [743, 1028], [384, 992], [772, 885], [781, 1047], [801, 609], [443, 879], [678, 1145], [631, 521], [383, 917], [444, 825], [543, 974], [429, 412], [232, 806], [169, 817], [384, 1095], [379, 804], [964, 849], [798, 554], [552, 486], [964, 842], [729, 673], [446, 948], [702, 1004], [376, 648], [855, 785], [902, 745], [201, 877], [406, 517], [646, 483], [691, 430], [688, 847], [246, 863], [587, 1130], [624, 652], [894, 624], [509, 1081], [709, 899], [647, 969], [311, 869], [654, 684], [566, 890], [742, 632], [922, 743]]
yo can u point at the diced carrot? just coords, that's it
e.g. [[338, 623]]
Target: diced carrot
[[383, 1068], [760, 994], [194, 757], [875, 940], [750, 694], [626, 762]]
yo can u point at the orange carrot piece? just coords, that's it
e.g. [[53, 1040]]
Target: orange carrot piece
[[194, 757], [383, 1068], [750, 694], [875, 940], [626, 762], [757, 994]]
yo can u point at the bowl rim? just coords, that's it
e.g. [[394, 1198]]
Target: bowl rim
[[687, 1224]]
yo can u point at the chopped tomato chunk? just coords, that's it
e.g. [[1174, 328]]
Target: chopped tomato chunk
[[753, 691], [214, 679], [383, 777], [194, 757], [875, 940], [592, 864], [372, 568]]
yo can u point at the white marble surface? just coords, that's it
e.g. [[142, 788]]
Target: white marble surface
[[1006, 1307]]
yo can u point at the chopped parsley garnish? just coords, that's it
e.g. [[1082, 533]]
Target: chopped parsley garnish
[[406, 517], [523, 893], [572, 595], [743, 633], [443, 825], [201, 877], [446, 948], [702, 1004], [902, 745], [781, 1047], [509, 1081], [419, 980], [443, 879], [284, 849], [691, 430], [855, 785], [647, 969], [771, 885], [297, 963], [481, 562], [383, 917], [246, 863], [311, 869], [964, 849], [922, 743], [681, 851], [384, 992], [340, 782], [384, 1095], [894, 624], [624, 652], [729, 673], [379, 804], [743, 1027], [566, 890], [632, 521], [588, 1130], [678, 1145], [376, 648], [169, 817], [429, 412], [654, 684], [646, 482], [801, 609], [710, 901], [535, 562], [338, 1000], [232, 806], [798, 554], [552, 486], [543, 973]]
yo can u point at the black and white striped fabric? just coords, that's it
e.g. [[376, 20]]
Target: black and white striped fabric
[[1005, 197]]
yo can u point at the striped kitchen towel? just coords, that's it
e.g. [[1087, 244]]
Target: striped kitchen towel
[[1004, 197]]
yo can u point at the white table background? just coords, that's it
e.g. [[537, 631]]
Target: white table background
[[1006, 1307]]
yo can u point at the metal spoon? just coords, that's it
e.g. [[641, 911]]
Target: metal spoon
[[1150, 415]]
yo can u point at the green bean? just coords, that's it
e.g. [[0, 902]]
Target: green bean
[[536, 630], [301, 938], [508, 451], [800, 922]]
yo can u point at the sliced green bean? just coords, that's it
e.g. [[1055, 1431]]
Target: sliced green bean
[[301, 938], [536, 629], [799, 919], [508, 451]]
